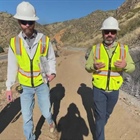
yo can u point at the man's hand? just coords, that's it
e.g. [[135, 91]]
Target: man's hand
[[120, 63], [9, 96], [98, 65], [51, 77]]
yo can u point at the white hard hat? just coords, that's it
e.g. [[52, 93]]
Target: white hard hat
[[25, 11], [110, 24]]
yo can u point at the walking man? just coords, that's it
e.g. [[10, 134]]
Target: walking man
[[107, 61], [24, 61]]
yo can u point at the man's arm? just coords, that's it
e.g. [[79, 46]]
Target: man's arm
[[51, 62], [130, 67], [89, 66], [12, 69]]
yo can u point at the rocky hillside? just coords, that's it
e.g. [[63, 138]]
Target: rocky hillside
[[127, 6], [81, 32], [84, 32]]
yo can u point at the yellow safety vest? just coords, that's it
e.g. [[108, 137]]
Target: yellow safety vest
[[109, 77], [29, 73]]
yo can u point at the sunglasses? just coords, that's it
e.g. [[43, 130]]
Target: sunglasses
[[24, 22], [113, 32]]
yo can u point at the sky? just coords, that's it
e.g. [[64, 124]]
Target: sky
[[51, 11]]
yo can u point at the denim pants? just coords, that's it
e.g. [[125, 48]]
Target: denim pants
[[27, 104], [104, 103]]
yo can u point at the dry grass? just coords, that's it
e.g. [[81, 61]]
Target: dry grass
[[131, 37], [3, 70]]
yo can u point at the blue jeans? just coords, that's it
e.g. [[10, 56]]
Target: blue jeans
[[104, 103], [27, 104]]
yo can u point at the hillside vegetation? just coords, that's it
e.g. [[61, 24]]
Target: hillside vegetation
[[82, 32]]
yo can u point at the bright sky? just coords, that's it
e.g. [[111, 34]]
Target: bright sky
[[50, 11]]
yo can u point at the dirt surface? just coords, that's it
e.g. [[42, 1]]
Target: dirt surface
[[71, 97]]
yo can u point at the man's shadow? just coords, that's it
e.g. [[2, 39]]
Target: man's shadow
[[56, 95], [86, 94], [72, 126], [10, 114]]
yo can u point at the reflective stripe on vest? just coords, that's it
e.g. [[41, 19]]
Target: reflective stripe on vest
[[18, 49], [28, 74], [29, 71], [105, 73]]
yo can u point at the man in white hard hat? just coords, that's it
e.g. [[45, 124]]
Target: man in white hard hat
[[24, 62], [106, 62]]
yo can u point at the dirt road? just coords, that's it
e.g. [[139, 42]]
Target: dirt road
[[71, 97]]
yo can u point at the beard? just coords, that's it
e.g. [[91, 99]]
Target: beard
[[28, 32], [109, 40]]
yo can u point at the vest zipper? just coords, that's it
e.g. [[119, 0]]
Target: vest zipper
[[109, 69], [108, 75], [32, 81]]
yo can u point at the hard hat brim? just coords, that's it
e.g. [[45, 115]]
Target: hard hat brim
[[118, 29], [25, 18]]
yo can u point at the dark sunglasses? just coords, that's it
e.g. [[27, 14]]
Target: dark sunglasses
[[113, 32], [24, 22]]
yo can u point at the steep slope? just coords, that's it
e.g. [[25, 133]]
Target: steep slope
[[82, 32], [127, 6]]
